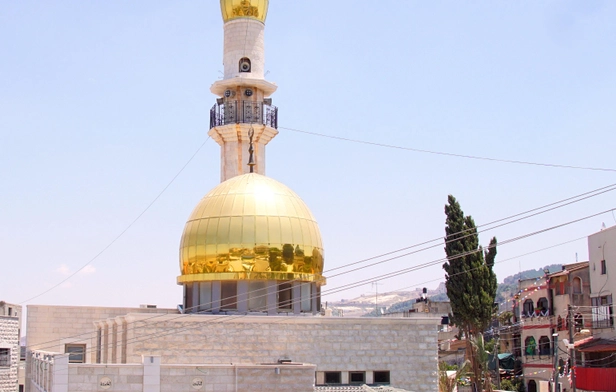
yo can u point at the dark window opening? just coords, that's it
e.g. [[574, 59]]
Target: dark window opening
[[381, 377], [285, 296], [542, 305], [76, 353], [603, 267], [228, 293], [357, 377], [532, 386], [529, 307], [333, 377], [5, 357], [544, 345]]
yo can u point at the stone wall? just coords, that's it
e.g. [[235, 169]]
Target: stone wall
[[49, 328], [9, 339], [406, 347], [57, 375]]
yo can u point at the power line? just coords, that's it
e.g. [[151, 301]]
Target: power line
[[475, 157], [123, 231], [225, 318], [425, 265]]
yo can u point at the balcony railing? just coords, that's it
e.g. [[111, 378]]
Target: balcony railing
[[243, 112], [602, 317]]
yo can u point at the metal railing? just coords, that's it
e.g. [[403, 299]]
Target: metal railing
[[243, 112]]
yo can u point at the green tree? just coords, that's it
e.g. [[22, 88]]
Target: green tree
[[469, 279]]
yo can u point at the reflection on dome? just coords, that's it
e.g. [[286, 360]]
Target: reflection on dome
[[251, 227]]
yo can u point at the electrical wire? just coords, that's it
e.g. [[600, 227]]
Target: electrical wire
[[475, 157], [420, 266], [116, 238]]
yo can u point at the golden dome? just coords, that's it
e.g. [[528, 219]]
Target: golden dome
[[251, 227], [253, 9]]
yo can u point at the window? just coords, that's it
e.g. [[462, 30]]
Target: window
[[357, 377], [257, 296], [577, 285], [603, 268], [333, 378], [578, 320], [529, 307], [5, 357], [76, 353], [381, 377], [544, 345], [530, 346], [542, 306], [285, 296], [228, 293]]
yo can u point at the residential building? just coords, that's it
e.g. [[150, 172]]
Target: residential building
[[10, 330], [595, 356]]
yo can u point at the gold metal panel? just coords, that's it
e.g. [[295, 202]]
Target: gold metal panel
[[252, 9], [251, 227]]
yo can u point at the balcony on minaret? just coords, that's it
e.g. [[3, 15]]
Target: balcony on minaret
[[226, 112]]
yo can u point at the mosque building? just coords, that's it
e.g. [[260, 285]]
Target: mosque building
[[251, 268]]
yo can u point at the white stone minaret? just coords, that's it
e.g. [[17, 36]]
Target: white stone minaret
[[243, 102]]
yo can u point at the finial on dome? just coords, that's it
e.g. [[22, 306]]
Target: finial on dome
[[251, 9], [251, 159]]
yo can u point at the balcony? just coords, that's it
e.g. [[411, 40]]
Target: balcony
[[243, 112]]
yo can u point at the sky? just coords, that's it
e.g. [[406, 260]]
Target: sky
[[103, 103]]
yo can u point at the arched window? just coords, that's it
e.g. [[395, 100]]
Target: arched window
[[245, 64], [544, 345], [578, 320], [529, 307], [530, 346], [577, 285], [542, 306], [532, 386]]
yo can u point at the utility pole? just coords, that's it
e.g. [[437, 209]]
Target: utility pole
[[555, 336], [571, 350]]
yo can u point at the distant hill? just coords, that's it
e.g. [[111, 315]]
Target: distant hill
[[403, 300]]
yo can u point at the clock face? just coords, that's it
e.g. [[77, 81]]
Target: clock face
[[228, 93], [248, 92]]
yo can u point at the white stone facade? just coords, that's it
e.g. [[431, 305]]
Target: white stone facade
[[244, 38], [53, 373], [50, 328], [406, 347], [9, 356]]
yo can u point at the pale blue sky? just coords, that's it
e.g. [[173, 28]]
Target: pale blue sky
[[101, 103]]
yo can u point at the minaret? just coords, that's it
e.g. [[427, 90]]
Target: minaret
[[243, 104]]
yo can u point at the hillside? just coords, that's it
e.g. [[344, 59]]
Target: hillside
[[398, 301]]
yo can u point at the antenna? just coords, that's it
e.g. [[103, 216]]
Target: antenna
[[251, 159]]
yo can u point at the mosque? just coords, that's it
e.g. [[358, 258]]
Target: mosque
[[251, 267]]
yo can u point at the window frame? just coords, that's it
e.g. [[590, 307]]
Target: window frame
[[5, 357], [363, 375], [70, 354], [338, 374], [383, 372]]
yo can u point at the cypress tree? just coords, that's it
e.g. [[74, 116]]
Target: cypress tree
[[469, 279]]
